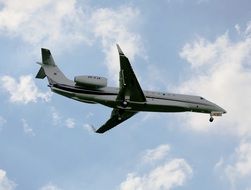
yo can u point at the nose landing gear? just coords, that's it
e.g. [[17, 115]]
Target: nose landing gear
[[215, 113], [211, 119]]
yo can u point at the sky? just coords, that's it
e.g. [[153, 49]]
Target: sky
[[198, 47]]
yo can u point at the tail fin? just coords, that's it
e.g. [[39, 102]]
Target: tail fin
[[50, 70], [47, 58]]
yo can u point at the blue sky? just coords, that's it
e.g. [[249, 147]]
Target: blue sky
[[200, 47]]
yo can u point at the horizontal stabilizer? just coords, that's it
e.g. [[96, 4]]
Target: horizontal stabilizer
[[41, 74]]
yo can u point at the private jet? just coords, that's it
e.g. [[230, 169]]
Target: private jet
[[126, 100]]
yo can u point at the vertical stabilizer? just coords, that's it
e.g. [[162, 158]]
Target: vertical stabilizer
[[50, 70], [47, 58]]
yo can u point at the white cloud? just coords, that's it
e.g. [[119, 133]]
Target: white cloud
[[70, 123], [50, 22], [221, 72], [24, 90], [2, 122], [247, 31], [156, 154], [88, 127], [50, 186], [219, 164], [236, 169], [27, 129], [56, 118], [59, 120], [241, 168], [243, 157], [238, 29], [5, 183], [168, 174], [113, 26], [201, 51]]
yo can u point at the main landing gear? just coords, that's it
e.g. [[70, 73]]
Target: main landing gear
[[124, 104]]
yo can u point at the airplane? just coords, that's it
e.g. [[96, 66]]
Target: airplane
[[127, 100]]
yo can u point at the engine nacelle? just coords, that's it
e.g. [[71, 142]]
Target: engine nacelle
[[91, 81]]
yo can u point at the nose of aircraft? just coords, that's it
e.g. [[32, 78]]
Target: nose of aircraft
[[221, 109], [217, 108]]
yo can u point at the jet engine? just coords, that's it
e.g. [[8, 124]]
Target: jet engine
[[90, 81]]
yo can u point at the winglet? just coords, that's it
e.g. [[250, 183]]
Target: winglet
[[119, 50], [93, 128], [99, 131]]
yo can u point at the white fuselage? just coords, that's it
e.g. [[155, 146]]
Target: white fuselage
[[155, 101]]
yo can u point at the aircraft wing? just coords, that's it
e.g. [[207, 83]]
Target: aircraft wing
[[129, 89], [128, 83], [117, 117]]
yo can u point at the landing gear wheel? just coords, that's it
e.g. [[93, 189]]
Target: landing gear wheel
[[211, 119], [124, 104]]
